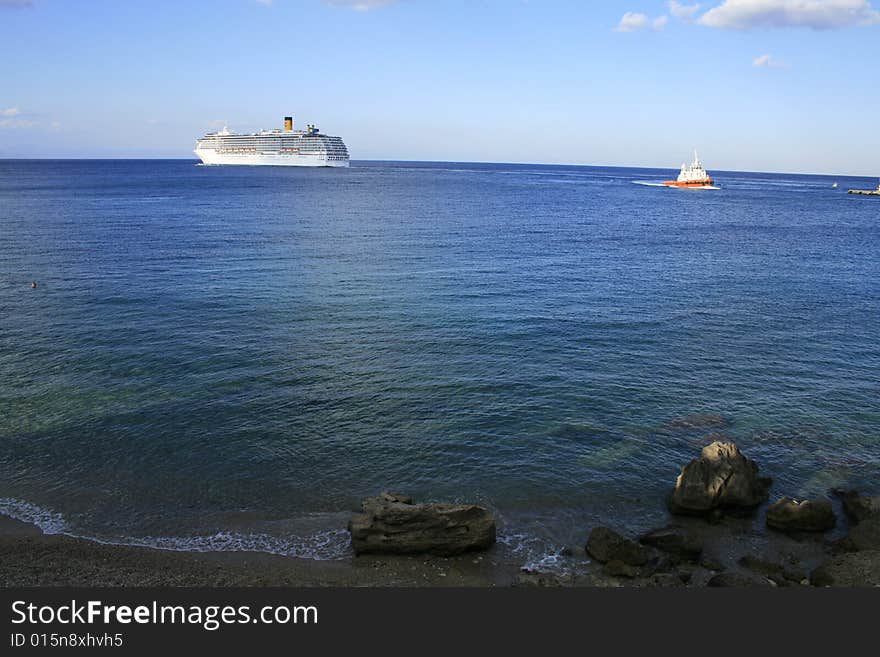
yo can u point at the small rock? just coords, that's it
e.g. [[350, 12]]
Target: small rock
[[529, 578], [617, 568], [721, 478], [660, 565], [790, 515], [765, 568], [773, 571], [666, 580], [734, 579], [710, 563], [606, 545], [675, 541]]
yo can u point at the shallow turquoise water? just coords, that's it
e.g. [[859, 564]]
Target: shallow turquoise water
[[233, 357]]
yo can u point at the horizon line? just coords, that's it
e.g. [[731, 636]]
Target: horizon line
[[545, 164]]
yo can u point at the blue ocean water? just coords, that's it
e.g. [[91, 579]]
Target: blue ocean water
[[231, 358]]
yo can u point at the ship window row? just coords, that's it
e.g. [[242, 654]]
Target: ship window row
[[274, 142]]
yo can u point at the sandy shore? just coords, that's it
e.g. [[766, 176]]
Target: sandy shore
[[30, 558]]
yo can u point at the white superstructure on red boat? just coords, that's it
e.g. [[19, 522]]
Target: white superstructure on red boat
[[694, 175]]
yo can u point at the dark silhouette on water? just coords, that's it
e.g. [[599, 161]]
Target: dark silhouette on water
[[33, 285]]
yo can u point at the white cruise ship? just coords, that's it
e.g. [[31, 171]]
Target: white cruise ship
[[287, 147]]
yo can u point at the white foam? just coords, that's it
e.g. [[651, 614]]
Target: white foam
[[48, 521], [326, 545], [536, 554], [322, 546]]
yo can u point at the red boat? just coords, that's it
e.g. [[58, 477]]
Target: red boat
[[694, 176]]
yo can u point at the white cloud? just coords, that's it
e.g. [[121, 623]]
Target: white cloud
[[11, 122], [360, 5], [815, 14], [684, 12], [768, 61], [12, 118], [631, 22], [634, 21]]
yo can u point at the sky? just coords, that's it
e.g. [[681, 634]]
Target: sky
[[756, 85]]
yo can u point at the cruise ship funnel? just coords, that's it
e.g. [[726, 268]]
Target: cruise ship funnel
[[288, 124]]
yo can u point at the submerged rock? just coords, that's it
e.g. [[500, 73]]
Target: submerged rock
[[790, 515], [699, 421], [675, 542], [392, 524], [720, 479], [606, 545]]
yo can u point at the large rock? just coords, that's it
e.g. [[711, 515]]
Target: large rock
[[392, 524], [675, 542], [721, 478], [854, 569], [790, 515], [606, 545]]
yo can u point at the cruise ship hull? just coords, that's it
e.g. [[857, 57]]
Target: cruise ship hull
[[208, 156]]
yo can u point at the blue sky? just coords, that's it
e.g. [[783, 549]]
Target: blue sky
[[769, 85]]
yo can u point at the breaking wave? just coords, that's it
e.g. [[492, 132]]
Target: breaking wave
[[536, 554], [49, 522], [326, 545]]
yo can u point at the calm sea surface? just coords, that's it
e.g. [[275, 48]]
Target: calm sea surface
[[232, 357]]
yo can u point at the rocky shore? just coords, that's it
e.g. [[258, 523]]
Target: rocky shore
[[710, 540]]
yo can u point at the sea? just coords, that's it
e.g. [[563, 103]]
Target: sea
[[231, 358]]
